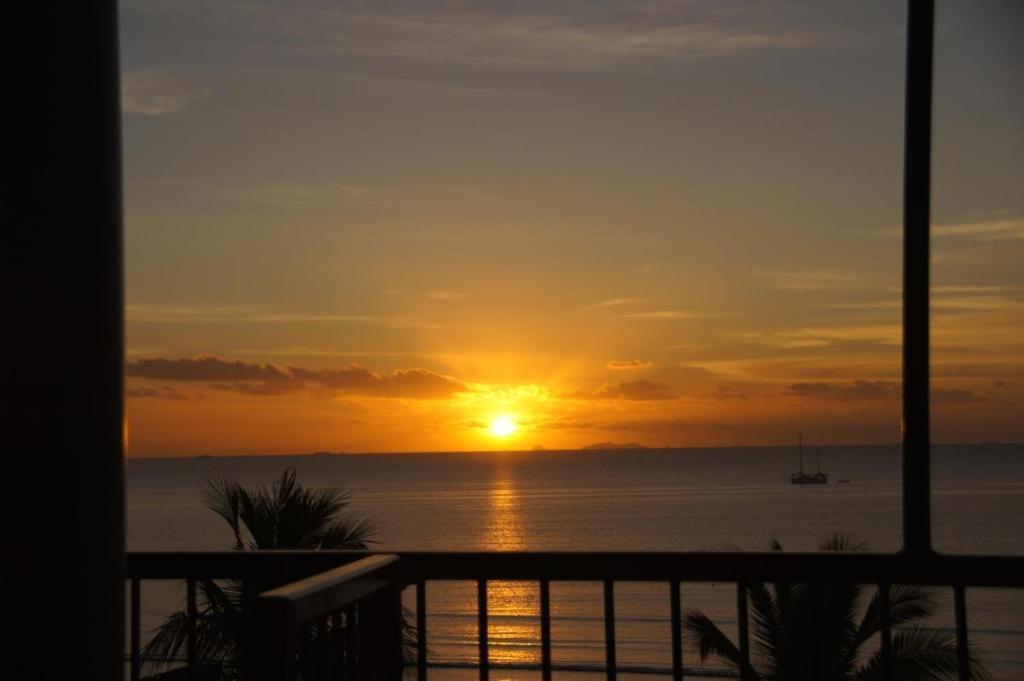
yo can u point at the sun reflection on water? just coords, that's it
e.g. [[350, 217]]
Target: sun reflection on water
[[513, 626], [504, 525]]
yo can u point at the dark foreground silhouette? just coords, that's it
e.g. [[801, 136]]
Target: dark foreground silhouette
[[285, 515], [788, 647]]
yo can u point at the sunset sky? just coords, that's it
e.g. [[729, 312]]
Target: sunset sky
[[384, 226]]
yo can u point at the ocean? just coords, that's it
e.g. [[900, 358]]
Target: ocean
[[731, 499]]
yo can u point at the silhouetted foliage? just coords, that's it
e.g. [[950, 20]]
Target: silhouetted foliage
[[283, 516], [789, 645]]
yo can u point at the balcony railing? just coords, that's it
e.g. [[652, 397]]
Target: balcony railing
[[339, 614]]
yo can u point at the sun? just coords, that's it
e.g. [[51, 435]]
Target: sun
[[503, 426]]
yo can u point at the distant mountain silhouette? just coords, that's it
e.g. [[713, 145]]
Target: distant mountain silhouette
[[615, 445]]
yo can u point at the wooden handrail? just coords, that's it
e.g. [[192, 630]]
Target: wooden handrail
[[282, 615], [861, 568], [327, 592]]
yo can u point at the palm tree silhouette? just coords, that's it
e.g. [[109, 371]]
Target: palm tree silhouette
[[781, 632], [283, 516]]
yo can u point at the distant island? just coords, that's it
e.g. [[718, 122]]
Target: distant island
[[539, 448], [606, 446]]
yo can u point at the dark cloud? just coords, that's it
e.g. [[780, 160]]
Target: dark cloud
[[163, 393], [956, 396], [725, 392], [353, 378], [265, 389], [876, 391], [204, 369], [268, 379], [854, 391], [672, 428], [413, 383], [562, 423], [809, 389], [639, 390], [422, 384]]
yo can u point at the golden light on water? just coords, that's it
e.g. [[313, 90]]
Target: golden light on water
[[504, 531], [513, 630], [514, 607]]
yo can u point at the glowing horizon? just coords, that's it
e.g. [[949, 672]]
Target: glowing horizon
[[384, 229]]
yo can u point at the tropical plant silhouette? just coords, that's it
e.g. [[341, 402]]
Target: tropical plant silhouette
[[285, 515], [788, 645]]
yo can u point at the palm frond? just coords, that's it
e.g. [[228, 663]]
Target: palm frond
[[169, 644], [221, 495], [710, 641], [285, 488], [922, 654], [283, 515], [843, 542], [834, 620], [907, 604], [217, 599], [802, 631], [783, 593], [259, 516], [769, 635], [346, 535]]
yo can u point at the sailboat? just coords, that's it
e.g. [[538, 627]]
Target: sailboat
[[802, 478]]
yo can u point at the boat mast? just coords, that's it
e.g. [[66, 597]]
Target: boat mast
[[800, 448]]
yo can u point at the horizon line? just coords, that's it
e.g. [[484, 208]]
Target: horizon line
[[326, 453]]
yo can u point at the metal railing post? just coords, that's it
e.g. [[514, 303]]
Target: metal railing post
[[192, 622], [421, 630], [886, 631], [675, 609], [610, 661], [381, 643], [813, 646], [482, 629], [963, 652], [135, 629], [545, 630], [743, 630], [352, 642]]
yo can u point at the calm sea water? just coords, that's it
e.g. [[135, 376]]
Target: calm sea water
[[694, 499]]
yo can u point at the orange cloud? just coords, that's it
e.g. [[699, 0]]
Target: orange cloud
[[628, 364]]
